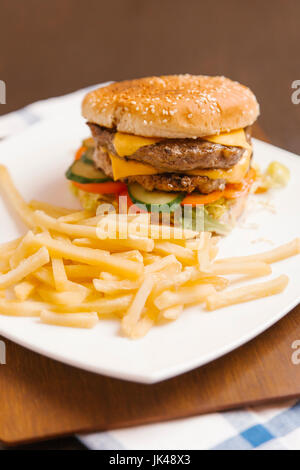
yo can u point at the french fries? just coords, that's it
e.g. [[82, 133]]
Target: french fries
[[271, 256], [68, 271], [204, 252], [134, 312], [75, 320], [75, 216], [141, 328], [171, 313], [82, 231], [107, 306], [45, 276], [50, 209], [184, 296], [24, 289], [22, 250], [9, 246], [184, 255], [61, 281], [115, 287], [15, 198], [164, 263], [133, 255], [251, 268], [26, 267], [164, 283], [82, 271], [245, 294], [91, 256], [67, 298], [22, 309], [59, 274], [4, 266], [109, 277]]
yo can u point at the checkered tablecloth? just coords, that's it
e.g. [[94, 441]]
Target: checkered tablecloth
[[272, 427]]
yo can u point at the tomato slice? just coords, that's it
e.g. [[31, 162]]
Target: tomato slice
[[251, 176], [231, 191], [80, 152], [194, 199], [125, 193], [109, 187]]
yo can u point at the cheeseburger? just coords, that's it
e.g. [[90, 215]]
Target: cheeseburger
[[169, 142]]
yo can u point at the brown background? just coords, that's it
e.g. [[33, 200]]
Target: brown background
[[52, 47]]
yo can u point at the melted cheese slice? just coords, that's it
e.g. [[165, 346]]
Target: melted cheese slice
[[123, 168], [232, 139], [127, 144], [236, 174]]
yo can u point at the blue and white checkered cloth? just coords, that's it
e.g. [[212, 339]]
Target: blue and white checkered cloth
[[268, 427]]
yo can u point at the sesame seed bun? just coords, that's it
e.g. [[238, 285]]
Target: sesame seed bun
[[174, 106]]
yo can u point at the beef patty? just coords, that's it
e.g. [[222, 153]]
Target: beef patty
[[164, 181], [177, 155]]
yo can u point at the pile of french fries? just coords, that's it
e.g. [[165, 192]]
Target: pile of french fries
[[68, 271]]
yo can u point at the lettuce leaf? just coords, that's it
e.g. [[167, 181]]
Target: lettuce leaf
[[214, 225], [91, 201], [218, 208], [203, 221]]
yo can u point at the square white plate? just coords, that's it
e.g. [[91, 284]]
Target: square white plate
[[37, 160]]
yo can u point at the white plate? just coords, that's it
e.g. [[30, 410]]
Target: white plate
[[37, 160]]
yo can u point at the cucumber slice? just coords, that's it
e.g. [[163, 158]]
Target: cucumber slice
[[87, 158], [85, 173], [154, 200]]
